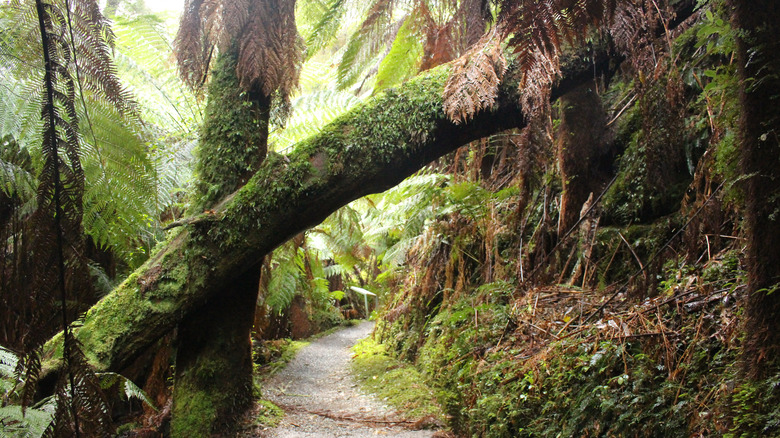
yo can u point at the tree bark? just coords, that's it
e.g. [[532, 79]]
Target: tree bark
[[580, 146], [368, 150], [759, 131], [213, 380]]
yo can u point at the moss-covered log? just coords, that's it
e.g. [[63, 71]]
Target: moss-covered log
[[368, 150]]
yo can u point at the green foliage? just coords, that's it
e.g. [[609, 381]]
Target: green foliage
[[268, 415], [32, 423], [653, 173], [296, 271], [756, 409], [403, 59], [272, 356], [124, 387], [319, 22]]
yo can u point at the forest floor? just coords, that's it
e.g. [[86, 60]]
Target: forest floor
[[322, 399]]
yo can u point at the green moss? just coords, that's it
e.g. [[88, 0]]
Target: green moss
[[233, 138], [396, 382], [653, 171], [198, 416], [272, 356], [268, 414], [204, 404]]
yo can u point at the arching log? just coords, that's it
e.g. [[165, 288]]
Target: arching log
[[368, 150]]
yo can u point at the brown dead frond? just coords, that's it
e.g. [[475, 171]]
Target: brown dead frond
[[536, 32], [262, 32], [473, 83], [270, 54]]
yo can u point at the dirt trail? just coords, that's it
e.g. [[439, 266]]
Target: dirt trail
[[321, 399]]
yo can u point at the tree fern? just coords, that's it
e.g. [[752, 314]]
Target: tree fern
[[262, 32], [18, 423], [404, 58], [368, 43], [310, 112], [320, 21], [80, 92], [284, 277]]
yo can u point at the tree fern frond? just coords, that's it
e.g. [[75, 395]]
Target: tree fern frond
[[403, 60], [335, 270], [270, 49], [327, 18], [310, 113], [28, 423], [474, 80], [367, 43], [193, 48], [263, 32]]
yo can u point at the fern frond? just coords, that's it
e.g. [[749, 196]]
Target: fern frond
[[474, 80], [28, 423], [270, 49], [128, 389], [327, 19], [310, 113], [367, 43], [536, 31], [8, 362], [193, 48], [403, 60], [262, 31]]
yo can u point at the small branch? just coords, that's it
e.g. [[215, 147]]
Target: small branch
[[193, 220]]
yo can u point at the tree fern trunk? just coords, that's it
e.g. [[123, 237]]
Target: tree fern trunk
[[759, 128], [213, 381], [580, 146]]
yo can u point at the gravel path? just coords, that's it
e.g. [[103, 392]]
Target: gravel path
[[321, 399]]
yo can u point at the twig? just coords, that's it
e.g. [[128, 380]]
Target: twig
[[641, 266], [192, 220]]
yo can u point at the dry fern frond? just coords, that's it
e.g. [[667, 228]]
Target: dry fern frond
[[535, 31], [270, 53], [633, 29], [473, 83], [439, 46], [262, 31], [192, 49]]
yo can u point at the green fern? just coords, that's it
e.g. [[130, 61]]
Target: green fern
[[310, 113], [18, 423], [320, 21], [125, 386], [403, 59]]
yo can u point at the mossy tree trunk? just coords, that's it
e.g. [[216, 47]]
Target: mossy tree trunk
[[580, 147], [368, 150], [213, 380], [759, 136]]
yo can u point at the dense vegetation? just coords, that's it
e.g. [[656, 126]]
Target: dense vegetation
[[599, 261]]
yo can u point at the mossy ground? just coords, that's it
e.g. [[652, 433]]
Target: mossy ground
[[397, 383]]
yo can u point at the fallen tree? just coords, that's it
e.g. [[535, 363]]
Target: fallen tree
[[368, 150], [207, 259]]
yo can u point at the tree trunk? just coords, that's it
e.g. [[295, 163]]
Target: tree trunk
[[580, 146], [759, 128], [213, 381]]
